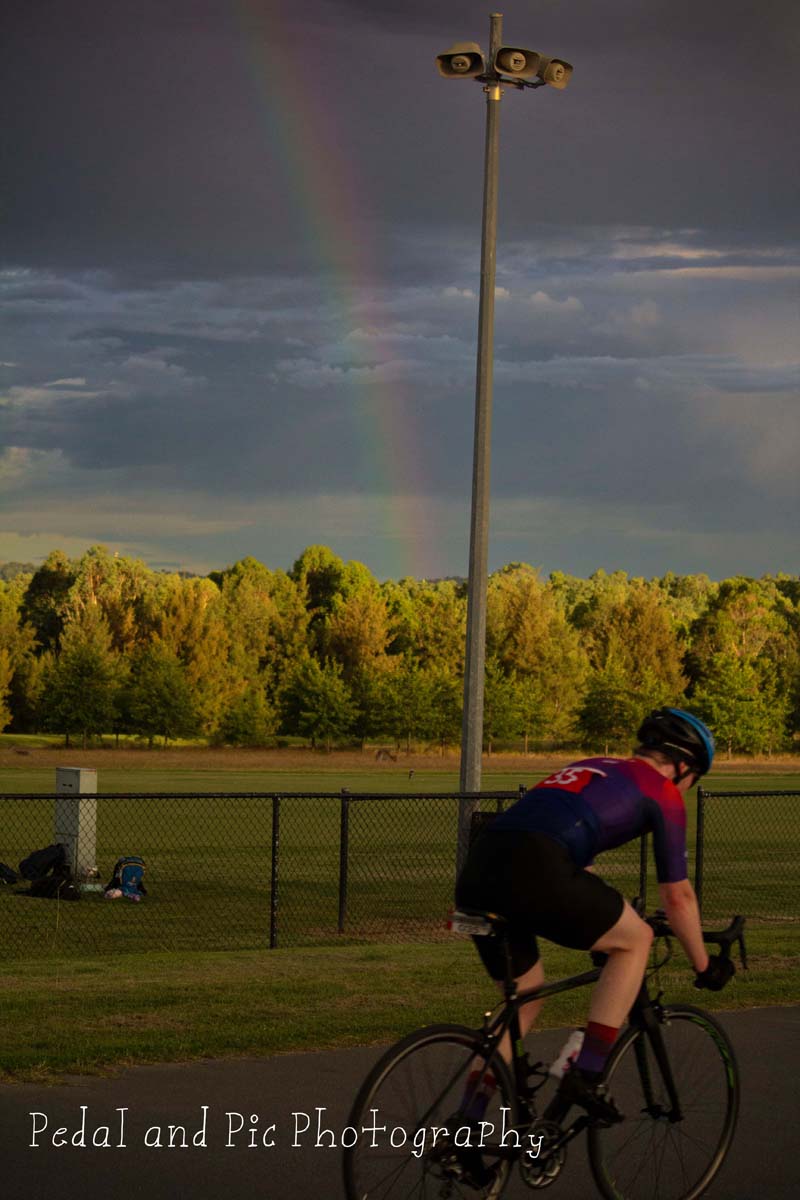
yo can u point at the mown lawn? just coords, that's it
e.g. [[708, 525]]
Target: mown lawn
[[93, 1015], [196, 979], [210, 859]]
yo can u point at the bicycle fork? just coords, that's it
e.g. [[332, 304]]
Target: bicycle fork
[[649, 1021], [646, 1015]]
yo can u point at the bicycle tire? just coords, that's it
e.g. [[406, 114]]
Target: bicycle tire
[[419, 1083], [648, 1154]]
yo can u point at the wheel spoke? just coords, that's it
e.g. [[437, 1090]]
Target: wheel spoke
[[651, 1157], [417, 1086]]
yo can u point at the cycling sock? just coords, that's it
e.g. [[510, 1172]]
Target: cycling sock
[[477, 1095], [597, 1043]]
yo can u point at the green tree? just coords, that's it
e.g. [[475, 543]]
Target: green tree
[[687, 598], [611, 710], [742, 706], [747, 619], [250, 720], [529, 633], [357, 630], [16, 645], [629, 622], [46, 599], [83, 683], [744, 663], [432, 625], [316, 703], [27, 692], [371, 692], [289, 633], [324, 581], [6, 674], [410, 702], [119, 587], [402, 616], [246, 589], [502, 716], [446, 704], [159, 701], [548, 711], [266, 620], [190, 620]]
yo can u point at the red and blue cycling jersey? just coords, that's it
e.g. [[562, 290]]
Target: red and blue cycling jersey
[[599, 803]]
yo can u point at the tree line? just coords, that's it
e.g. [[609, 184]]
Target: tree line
[[327, 653]]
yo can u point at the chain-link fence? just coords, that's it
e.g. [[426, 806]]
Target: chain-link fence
[[247, 870], [748, 855], [207, 873], [254, 870], [400, 868]]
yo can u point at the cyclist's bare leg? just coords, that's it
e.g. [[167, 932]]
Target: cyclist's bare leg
[[477, 1090], [529, 1012], [627, 945]]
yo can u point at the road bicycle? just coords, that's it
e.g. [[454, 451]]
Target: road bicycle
[[672, 1074]]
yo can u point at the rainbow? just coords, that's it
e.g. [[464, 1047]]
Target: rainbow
[[313, 158]]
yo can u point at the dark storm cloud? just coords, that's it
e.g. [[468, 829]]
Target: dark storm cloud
[[275, 413], [149, 137], [240, 302], [138, 137]]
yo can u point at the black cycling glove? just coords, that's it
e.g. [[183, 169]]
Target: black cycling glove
[[716, 974]]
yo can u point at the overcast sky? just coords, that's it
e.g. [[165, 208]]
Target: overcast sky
[[239, 267]]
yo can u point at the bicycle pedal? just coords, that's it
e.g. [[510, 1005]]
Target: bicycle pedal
[[542, 1164]]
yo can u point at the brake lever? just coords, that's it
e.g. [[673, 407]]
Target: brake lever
[[742, 951], [727, 946]]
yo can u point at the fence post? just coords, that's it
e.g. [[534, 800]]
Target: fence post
[[699, 846], [273, 880], [76, 818], [344, 848]]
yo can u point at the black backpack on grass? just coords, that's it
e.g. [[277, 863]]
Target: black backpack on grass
[[49, 873], [7, 875], [58, 885], [42, 862]]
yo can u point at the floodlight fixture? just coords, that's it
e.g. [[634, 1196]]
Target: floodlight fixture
[[555, 72], [517, 62], [464, 60], [520, 63]]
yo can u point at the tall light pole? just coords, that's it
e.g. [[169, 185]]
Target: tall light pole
[[520, 68]]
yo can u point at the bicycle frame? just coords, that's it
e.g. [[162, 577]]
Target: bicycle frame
[[505, 1019], [524, 1127], [644, 1014]]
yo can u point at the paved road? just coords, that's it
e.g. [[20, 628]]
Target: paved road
[[763, 1164]]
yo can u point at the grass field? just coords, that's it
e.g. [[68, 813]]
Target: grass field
[[193, 980], [94, 1015], [209, 857], [29, 765]]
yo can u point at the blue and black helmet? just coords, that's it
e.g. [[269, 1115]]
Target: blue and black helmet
[[679, 734]]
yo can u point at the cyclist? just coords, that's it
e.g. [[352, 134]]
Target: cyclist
[[533, 866]]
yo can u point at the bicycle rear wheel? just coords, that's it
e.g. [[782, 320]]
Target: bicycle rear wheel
[[417, 1087], [652, 1153]]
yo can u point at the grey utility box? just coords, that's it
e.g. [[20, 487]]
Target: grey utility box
[[76, 818]]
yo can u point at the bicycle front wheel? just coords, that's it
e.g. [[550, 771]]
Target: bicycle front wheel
[[415, 1090], [659, 1150]]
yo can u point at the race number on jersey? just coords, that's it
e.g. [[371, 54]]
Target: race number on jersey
[[571, 779]]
